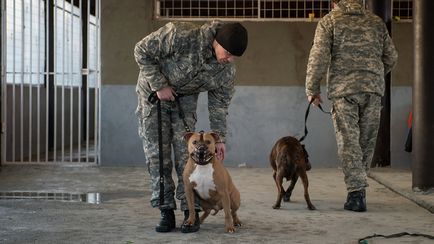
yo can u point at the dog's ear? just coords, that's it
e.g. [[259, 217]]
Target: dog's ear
[[216, 136], [188, 135]]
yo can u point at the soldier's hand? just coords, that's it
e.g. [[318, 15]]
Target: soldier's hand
[[316, 99], [166, 94], [220, 149]]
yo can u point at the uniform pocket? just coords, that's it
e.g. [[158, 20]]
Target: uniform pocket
[[143, 114]]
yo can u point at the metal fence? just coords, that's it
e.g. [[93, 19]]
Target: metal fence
[[258, 10], [50, 89]]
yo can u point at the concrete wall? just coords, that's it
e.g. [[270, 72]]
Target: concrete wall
[[269, 101]]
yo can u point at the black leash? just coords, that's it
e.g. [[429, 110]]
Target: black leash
[[181, 114], [307, 115], [153, 98], [160, 152], [364, 239]]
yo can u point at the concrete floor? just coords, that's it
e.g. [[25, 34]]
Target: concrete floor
[[123, 214]]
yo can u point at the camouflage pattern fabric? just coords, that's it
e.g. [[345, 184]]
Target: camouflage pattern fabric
[[179, 55], [353, 47], [356, 119]]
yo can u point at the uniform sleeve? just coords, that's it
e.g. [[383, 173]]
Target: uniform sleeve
[[390, 55], [319, 57], [149, 51], [218, 105]]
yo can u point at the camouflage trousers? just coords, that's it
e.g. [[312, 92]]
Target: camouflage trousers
[[173, 145], [356, 119]]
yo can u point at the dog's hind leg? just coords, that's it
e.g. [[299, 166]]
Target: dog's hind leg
[[305, 181], [278, 178], [204, 215], [287, 196]]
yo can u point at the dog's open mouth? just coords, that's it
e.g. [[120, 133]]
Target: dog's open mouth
[[201, 155]]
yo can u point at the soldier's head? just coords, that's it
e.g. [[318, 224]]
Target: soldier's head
[[230, 41]]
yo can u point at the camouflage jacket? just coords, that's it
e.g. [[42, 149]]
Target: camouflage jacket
[[180, 55], [353, 47]]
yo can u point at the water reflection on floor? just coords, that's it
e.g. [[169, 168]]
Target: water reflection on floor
[[90, 197]]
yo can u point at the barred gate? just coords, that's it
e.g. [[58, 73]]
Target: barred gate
[[50, 81]]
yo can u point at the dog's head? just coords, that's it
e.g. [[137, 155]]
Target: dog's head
[[201, 146]]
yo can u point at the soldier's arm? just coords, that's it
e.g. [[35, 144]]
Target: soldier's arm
[[319, 57], [149, 51], [218, 105], [390, 55]]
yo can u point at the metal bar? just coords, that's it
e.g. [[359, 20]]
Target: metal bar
[[13, 86], [30, 82], [38, 99], [71, 90], [3, 111], [23, 50], [423, 89], [55, 81], [87, 85], [47, 76], [98, 148], [79, 108], [63, 84]]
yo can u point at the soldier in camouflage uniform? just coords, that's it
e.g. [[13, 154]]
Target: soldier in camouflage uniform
[[178, 61], [353, 47]]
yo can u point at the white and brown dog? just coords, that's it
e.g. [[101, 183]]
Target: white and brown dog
[[206, 176]]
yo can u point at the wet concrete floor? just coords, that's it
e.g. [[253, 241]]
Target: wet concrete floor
[[112, 206]]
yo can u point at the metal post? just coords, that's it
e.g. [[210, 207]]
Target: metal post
[[383, 8], [423, 90]]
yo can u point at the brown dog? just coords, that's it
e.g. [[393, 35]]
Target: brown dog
[[206, 176], [289, 160]]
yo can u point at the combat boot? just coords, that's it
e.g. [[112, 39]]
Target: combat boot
[[356, 201], [190, 228], [167, 221]]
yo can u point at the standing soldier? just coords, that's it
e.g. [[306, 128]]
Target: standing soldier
[[354, 47], [176, 63]]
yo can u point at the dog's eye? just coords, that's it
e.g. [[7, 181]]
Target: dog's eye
[[207, 142], [194, 142]]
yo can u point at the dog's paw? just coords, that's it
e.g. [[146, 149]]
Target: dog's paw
[[286, 198], [237, 222], [189, 222], [311, 207], [230, 229], [275, 206]]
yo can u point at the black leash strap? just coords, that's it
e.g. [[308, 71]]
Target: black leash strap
[[160, 152], [153, 98], [307, 115], [182, 115], [365, 239]]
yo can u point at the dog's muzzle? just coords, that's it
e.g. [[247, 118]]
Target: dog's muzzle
[[201, 155]]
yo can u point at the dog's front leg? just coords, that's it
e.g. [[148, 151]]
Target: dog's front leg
[[226, 202], [189, 195]]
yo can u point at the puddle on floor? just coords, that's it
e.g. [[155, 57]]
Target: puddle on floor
[[91, 197]]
